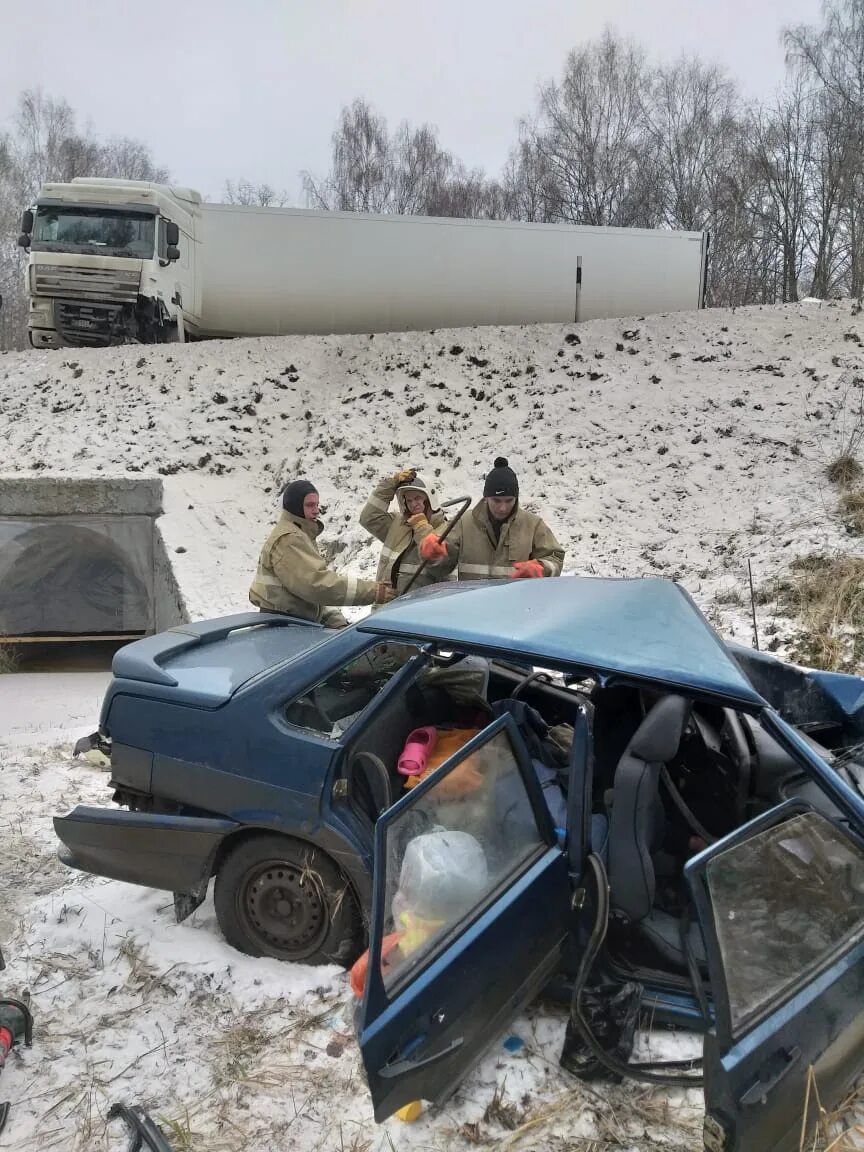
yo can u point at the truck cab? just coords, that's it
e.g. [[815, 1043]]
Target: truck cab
[[111, 262]]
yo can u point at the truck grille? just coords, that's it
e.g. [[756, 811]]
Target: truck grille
[[110, 284], [83, 326]]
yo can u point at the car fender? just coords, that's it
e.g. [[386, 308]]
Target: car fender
[[179, 854]]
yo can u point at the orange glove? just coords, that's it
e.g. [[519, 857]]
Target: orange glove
[[404, 476], [385, 593], [431, 548], [418, 520], [527, 570]]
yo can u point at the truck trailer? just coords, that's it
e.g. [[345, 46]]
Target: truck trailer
[[124, 261]]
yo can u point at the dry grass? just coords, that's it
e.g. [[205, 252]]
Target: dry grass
[[631, 1116], [731, 596], [848, 434], [9, 658], [826, 594], [844, 470], [840, 1130], [852, 510]]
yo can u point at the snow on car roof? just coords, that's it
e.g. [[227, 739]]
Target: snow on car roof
[[646, 628]]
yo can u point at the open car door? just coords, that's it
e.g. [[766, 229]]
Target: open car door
[[781, 903], [470, 912]]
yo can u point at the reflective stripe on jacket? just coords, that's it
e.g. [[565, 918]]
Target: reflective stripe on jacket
[[293, 576]]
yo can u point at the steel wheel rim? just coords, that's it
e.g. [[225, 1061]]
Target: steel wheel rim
[[283, 908]]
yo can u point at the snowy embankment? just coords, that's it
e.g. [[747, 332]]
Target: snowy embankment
[[679, 445]]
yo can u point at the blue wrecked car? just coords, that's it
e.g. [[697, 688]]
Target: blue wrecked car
[[639, 817]]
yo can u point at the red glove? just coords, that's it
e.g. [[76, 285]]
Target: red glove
[[527, 570], [431, 548]]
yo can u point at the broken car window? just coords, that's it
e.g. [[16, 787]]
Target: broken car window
[[332, 706], [784, 902]]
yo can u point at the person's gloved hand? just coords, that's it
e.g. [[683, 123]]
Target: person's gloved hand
[[384, 593], [404, 476], [527, 570], [431, 548], [418, 520]]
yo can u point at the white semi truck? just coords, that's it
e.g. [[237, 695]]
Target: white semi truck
[[123, 261]]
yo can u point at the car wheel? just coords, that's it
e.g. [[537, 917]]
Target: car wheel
[[282, 898]]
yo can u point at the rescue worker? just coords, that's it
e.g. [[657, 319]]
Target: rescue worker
[[397, 531], [293, 576], [498, 539]]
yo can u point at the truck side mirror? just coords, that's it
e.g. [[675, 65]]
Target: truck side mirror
[[24, 240], [172, 235], [172, 253], [27, 222]]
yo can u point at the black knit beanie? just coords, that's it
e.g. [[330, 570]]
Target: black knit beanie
[[501, 481], [294, 494]]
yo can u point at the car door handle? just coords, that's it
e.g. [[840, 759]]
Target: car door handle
[[770, 1075], [408, 1065]]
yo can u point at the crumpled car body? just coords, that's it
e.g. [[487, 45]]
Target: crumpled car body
[[716, 789]]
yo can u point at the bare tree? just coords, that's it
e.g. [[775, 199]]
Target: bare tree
[[407, 172], [128, 159], [529, 188], [832, 57], [692, 115], [360, 179], [257, 195], [831, 179], [590, 133], [781, 148]]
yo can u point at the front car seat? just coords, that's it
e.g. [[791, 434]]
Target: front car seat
[[636, 833]]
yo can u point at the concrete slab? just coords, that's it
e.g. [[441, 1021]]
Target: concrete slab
[[47, 494]]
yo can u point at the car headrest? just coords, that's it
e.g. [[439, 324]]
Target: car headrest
[[657, 738]]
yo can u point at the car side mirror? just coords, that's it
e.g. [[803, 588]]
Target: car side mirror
[[24, 240], [172, 253], [172, 234], [27, 221]]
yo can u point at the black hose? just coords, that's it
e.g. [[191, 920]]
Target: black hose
[[646, 1073]]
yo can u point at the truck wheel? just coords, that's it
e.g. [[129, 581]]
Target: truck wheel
[[277, 897]]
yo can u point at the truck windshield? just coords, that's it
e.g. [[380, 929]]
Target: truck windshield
[[107, 233]]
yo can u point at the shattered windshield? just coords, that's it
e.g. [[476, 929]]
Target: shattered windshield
[[98, 231]]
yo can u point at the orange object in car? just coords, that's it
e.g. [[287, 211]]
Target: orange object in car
[[361, 965], [465, 777]]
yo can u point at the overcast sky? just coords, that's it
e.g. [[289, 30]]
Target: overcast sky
[[233, 88]]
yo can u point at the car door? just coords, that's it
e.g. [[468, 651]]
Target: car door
[[781, 903], [470, 911]]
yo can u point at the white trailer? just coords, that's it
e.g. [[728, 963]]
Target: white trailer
[[115, 261]]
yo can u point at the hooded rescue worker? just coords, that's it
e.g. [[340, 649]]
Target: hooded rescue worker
[[498, 539], [401, 532], [292, 575]]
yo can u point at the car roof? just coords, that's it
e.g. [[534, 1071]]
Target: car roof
[[648, 629]]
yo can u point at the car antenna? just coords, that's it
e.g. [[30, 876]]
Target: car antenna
[[753, 604]]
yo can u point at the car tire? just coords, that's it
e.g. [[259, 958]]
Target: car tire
[[282, 898]]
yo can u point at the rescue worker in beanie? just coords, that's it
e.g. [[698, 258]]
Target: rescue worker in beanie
[[498, 539], [401, 532], [293, 576]]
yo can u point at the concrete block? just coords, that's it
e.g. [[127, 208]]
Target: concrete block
[[51, 495]]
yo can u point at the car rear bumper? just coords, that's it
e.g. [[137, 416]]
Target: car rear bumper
[[174, 853]]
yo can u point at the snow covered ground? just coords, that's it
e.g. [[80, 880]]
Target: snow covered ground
[[680, 445]]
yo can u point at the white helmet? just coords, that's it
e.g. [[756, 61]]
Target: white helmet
[[418, 484]]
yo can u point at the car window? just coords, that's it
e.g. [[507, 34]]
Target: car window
[[784, 902], [446, 854], [332, 706]]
